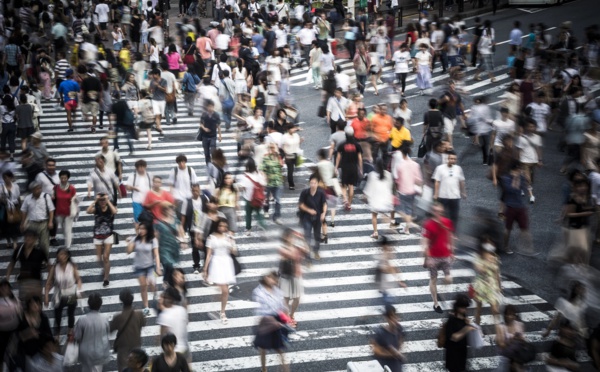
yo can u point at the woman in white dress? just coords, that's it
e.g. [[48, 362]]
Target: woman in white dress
[[379, 193], [219, 267], [240, 77], [423, 63]]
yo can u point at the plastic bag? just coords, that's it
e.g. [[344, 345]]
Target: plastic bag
[[71, 356], [475, 337], [309, 76]]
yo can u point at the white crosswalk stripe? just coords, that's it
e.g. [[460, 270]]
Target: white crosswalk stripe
[[342, 305]]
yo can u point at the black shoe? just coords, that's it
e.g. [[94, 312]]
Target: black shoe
[[54, 242], [174, 120], [438, 309], [105, 283]]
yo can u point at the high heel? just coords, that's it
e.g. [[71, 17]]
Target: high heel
[[324, 238], [332, 224]]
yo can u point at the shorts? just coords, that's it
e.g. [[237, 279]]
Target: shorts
[[117, 46], [147, 272], [449, 125], [24, 133], [137, 210], [437, 264], [407, 203], [158, 107], [71, 105], [144, 38], [516, 214], [90, 109], [103, 26], [109, 240]]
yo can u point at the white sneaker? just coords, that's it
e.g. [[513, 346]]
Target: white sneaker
[[266, 214], [146, 311], [531, 199]]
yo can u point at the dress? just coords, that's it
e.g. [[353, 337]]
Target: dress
[[379, 192], [241, 86], [485, 284], [221, 270]]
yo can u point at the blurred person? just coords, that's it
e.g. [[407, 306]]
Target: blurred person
[[480, 121], [401, 60], [409, 180], [438, 246], [64, 277], [10, 308], [449, 187], [48, 359], [158, 88], [10, 196], [102, 180], [290, 144], [9, 125], [68, 90], [381, 126], [378, 191], [226, 87], [210, 130], [169, 360], [31, 261], [188, 84], [228, 196], [219, 267], [247, 182], [485, 47], [23, 115], [507, 332], [147, 118], [92, 332], [139, 184], [271, 332], [128, 324], [157, 198], [336, 109], [292, 252], [501, 127], [451, 105], [145, 261], [313, 209], [404, 112], [571, 308], [487, 286], [181, 179], [104, 216], [387, 275], [423, 68], [577, 212], [136, 361], [272, 167], [362, 65], [38, 215], [67, 202], [179, 283], [513, 184], [387, 341], [33, 327], [456, 330], [124, 118], [208, 222], [540, 112], [562, 355], [112, 160], [171, 240], [91, 90], [350, 160], [328, 176]]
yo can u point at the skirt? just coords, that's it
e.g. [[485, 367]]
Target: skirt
[[291, 287], [349, 176], [221, 270], [241, 86], [487, 62], [424, 77]]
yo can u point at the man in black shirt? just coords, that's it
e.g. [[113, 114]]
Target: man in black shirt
[[124, 119], [313, 208], [269, 39], [210, 128], [32, 261], [477, 32], [91, 89]]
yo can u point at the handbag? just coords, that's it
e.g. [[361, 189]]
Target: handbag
[[422, 148], [71, 356], [286, 268], [123, 190], [237, 267], [14, 215], [170, 97], [115, 238], [322, 111]]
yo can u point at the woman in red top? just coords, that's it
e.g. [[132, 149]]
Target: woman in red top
[[411, 38], [64, 194]]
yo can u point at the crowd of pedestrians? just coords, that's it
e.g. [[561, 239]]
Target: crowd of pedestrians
[[234, 76]]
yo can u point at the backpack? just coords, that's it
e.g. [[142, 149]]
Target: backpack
[[189, 169], [258, 194]]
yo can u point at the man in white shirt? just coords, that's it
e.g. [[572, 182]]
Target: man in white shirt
[[48, 179], [221, 66], [273, 135], [181, 179], [305, 37], [138, 183], [501, 127], [515, 37], [102, 10], [336, 109], [281, 37], [437, 41], [530, 153], [173, 321], [38, 212], [172, 85], [102, 180], [342, 80], [253, 7], [540, 112], [401, 60], [449, 187]]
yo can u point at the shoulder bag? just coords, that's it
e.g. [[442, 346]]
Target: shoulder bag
[[120, 331]]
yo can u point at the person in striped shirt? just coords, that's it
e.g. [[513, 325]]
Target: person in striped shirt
[[60, 68]]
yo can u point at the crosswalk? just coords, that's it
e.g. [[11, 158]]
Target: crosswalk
[[341, 307]]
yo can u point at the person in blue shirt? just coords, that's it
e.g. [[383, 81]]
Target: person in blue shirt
[[189, 82], [69, 89]]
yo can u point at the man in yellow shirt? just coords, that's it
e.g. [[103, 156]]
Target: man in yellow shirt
[[125, 55], [399, 133]]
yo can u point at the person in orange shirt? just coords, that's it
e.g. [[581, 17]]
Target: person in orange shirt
[[361, 126], [157, 198], [381, 125]]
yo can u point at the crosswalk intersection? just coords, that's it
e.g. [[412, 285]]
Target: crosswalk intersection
[[341, 306]]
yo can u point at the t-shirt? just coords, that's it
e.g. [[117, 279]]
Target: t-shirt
[[449, 107], [103, 223], [401, 60], [449, 178], [502, 128], [528, 145], [540, 112], [160, 365], [102, 11], [158, 94], [306, 36], [386, 339], [349, 155], [316, 201], [92, 87], [142, 182], [31, 266], [120, 109], [68, 89], [360, 128], [24, 116], [327, 62], [381, 126], [398, 136], [210, 122], [175, 318], [144, 254], [439, 236], [152, 197]]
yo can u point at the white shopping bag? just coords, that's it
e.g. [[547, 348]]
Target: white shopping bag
[[475, 337], [71, 357], [309, 76]]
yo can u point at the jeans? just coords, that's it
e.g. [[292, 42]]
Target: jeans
[[484, 142], [312, 223], [167, 272], [452, 208], [231, 215], [249, 209], [209, 144], [9, 131], [402, 79], [41, 227], [351, 46], [227, 112], [70, 313], [275, 192], [189, 98], [362, 82], [290, 163], [127, 131]]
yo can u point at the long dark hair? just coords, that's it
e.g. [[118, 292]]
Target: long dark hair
[[225, 186], [149, 232], [380, 168]]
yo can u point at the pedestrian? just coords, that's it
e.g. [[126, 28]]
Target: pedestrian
[[208, 223], [9, 125], [409, 180], [350, 161], [381, 126], [68, 99], [67, 207], [313, 209], [387, 275], [530, 153], [387, 341], [563, 350], [271, 331], [515, 37], [104, 216], [378, 191], [112, 161], [449, 187], [158, 89], [486, 44], [438, 246], [210, 129], [480, 123], [23, 116], [146, 260], [507, 332], [248, 182], [226, 88], [272, 167], [124, 119], [33, 327], [10, 197], [181, 179], [102, 180], [577, 212], [456, 330], [487, 286], [331, 185], [139, 183], [228, 197], [572, 309], [10, 308], [401, 60], [128, 324], [146, 115], [336, 109], [423, 68], [188, 86], [48, 359], [136, 361], [292, 252], [169, 360], [65, 279], [513, 185], [290, 144], [501, 127], [157, 198], [171, 240], [38, 214], [362, 65], [451, 106], [91, 332], [399, 134], [91, 93]]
